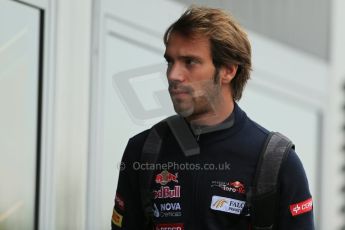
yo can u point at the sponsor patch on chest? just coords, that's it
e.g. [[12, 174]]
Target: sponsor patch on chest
[[165, 177], [225, 204], [170, 226], [234, 186]]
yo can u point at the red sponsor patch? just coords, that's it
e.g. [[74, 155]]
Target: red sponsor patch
[[172, 226], [301, 207], [166, 192], [238, 186], [119, 202]]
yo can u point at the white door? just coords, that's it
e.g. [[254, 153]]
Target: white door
[[19, 114]]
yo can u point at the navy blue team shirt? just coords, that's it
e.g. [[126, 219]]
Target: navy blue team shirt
[[208, 191]]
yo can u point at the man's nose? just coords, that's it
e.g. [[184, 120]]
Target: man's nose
[[175, 72]]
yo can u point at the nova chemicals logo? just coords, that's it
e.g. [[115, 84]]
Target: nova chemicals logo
[[167, 210]]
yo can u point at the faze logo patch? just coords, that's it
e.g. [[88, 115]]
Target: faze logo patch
[[301, 207]]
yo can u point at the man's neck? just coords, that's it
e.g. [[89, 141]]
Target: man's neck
[[215, 117]]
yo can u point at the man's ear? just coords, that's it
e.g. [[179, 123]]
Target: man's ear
[[227, 73]]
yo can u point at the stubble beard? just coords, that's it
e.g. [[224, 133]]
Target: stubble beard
[[201, 102]]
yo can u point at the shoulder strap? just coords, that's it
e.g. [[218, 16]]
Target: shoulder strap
[[183, 135], [150, 154], [263, 197]]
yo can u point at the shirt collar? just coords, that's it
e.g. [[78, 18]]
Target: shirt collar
[[202, 129]]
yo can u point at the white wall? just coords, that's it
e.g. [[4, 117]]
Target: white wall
[[73, 31], [66, 109], [19, 81], [334, 136]]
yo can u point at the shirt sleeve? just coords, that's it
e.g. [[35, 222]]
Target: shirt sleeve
[[296, 204], [127, 212]]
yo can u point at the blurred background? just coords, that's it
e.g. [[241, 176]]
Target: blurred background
[[78, 78]]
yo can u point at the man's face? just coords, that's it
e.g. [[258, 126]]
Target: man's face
[[194, 85]]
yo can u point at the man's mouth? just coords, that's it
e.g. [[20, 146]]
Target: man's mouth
[[178, 92]]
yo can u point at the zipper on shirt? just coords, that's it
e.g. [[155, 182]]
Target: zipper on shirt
[[198, 133]]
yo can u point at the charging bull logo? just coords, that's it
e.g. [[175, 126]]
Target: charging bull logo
[[165, 177], [238, 186]]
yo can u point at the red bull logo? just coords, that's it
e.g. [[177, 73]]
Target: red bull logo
[[165, 177], [166, 192]]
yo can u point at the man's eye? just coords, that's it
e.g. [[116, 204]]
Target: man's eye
[[190, 61]]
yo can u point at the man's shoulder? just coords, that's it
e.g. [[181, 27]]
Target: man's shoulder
[[257, 127], [134, 146], [139, 138], [250, 126]]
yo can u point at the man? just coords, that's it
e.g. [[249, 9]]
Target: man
[[208, 64]]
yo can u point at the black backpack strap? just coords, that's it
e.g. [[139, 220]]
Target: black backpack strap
[[151, 151], [150, 154], [263, 198], [183, 135]]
